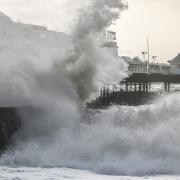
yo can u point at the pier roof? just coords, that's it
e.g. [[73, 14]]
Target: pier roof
[[127, 59], [138, 60], [4, 16], [176, 60], [130, 60]]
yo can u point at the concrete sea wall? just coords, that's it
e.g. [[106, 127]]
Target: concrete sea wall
[[9, 123]]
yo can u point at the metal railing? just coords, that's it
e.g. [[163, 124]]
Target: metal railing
[[153, 69]]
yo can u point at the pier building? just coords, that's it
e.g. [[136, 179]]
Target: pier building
[[108, 41], [140, 87]]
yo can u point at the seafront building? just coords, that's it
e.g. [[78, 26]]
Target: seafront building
[[137, 65], [29, 31]]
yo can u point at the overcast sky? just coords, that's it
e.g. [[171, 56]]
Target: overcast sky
[[158, 19]]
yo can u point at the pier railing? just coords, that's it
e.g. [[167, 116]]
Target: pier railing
[[152, 68]]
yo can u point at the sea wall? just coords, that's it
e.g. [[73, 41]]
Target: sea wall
[[9, 123]]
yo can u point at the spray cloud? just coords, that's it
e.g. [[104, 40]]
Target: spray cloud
[[119, 141], [52, 76], [89, 64]]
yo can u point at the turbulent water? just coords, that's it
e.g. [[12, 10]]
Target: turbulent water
[[25, 173], [59, 131], [132, 141], [120, 141]]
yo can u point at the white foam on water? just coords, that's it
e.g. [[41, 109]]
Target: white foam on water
[[123, 141], [60, 131], [21, 173]]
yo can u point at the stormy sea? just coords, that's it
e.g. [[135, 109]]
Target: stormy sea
[[63, 139], [117, 143]]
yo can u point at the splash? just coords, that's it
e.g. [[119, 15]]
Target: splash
[[88, 65], [55, 80], [119, 141]]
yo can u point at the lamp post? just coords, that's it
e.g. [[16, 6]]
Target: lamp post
[[154, 59], [144, 55], [148, 52]]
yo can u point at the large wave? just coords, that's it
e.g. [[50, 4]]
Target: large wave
[[120, 140], [56, 80]]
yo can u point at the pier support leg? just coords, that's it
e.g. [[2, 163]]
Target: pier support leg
[[165, 87], [144, 86], [168, 86], [135, 88], [126, 87], [147, 87], [104, 95], [150, 86], [131, 87], [140, 87], [107, 96]]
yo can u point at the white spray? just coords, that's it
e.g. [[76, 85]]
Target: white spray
[[118, 140], [52, 77]]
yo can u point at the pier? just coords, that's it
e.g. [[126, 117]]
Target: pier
[[139, 87], [143, 76]]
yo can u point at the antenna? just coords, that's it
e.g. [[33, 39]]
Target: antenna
[[148, 52]]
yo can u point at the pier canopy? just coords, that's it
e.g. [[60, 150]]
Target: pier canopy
[[175, 61], [175, 64], [138, 66], [4, 17]]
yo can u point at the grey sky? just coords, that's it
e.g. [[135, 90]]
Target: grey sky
[[159, 19]]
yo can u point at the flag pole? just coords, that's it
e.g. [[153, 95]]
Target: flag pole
[[148, 51]]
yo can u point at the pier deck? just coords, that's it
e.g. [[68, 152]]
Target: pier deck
[[137, 89]]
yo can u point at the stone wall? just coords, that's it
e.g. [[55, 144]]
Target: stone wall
[[9, 123]]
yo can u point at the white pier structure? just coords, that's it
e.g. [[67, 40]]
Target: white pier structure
[[136, 65]]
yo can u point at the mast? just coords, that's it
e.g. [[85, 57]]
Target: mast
[[148, 52]]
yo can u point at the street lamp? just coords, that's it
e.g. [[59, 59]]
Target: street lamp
[[154, 58], [144, 55]]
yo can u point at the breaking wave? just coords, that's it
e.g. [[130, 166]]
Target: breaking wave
[[59, 130], [120, 140]]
